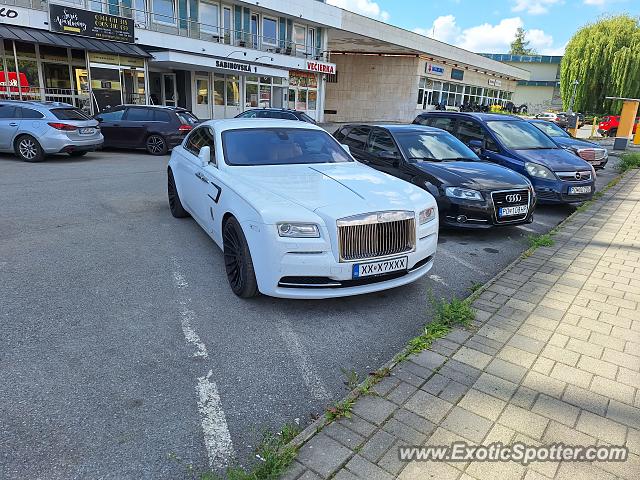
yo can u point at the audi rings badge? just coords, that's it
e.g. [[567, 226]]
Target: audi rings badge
[[513, 198]]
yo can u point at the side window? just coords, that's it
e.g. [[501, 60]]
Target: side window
[[445, 123], [421, 121], [7, 112], [28, 113], [381, 141], [249, 114], [469, 130], [357, 137], [112, 116], [490, 143], [201, 137], [162, 116], [139, 115], [340, 134]]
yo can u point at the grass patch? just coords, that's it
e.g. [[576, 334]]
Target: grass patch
[[475, 287], [273, 458], [339, 410], [537, 241], [372, 380], [628, 161]]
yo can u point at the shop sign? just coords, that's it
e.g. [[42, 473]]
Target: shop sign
[[90, 24], [14, 15], [236, 66], [321, 67], [434, 69], [494, 82]]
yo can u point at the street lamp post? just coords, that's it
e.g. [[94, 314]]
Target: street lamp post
[[573, 95]]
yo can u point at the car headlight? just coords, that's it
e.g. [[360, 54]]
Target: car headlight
[[463, 193], [427, 215], [538, 171], [298, 230]]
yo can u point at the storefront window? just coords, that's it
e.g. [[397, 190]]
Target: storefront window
[[233, 90], [202, 92], [265, 96], [312, 99], [302, 99], [251, 95], [218, 90]]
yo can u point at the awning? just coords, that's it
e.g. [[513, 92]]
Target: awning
[[44, 37]]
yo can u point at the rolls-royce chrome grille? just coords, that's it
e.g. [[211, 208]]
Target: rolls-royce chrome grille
[[375, 235]]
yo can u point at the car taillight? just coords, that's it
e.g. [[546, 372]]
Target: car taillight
[[185, 128], [62, 126]]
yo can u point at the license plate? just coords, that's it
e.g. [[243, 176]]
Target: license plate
[[579, 190], [511, 211], [87, 131], [371, 269]]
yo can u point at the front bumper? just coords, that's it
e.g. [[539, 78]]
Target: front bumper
[[557, 191], [308, 269]]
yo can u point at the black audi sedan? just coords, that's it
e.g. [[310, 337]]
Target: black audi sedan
[[470, 193]]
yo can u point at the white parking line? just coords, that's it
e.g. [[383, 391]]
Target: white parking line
[[462, 262], [312, 381], [217, 438], [526, 229], [438, 279]]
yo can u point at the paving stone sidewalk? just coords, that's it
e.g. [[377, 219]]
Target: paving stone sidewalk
[[554, 356]]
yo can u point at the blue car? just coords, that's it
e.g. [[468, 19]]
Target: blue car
[[557, 175]]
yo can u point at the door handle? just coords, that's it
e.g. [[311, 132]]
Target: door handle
[[202, 177], [12, 124]]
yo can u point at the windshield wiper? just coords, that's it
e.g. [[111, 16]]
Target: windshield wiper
[[428, 159], [459, 159]]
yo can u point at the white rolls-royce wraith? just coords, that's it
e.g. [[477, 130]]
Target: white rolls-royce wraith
[[296, 215]]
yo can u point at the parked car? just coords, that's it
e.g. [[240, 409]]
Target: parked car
[[470, 193], [590, 152], [555, 117], [33, 130], [557, 175], [608, 127], [295, 215], [155, 128], [278, 113]]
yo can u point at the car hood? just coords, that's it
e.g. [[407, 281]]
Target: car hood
[[332, 190], [556, 159], [475, 175], [575, 143]]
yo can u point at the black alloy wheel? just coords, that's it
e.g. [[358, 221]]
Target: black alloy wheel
[[156, 145], [175, 205], [237, 260]]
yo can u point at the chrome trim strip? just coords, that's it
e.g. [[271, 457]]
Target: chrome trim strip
[[376, 217]]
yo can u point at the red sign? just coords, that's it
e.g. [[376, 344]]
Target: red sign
[[13, 82], [321, 67]]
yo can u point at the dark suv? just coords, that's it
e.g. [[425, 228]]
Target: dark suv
[[156, 129], [557, 175], [280, 113]]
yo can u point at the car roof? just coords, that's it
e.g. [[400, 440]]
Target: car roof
[[244, 123], [162, 107], [397, 128], [36, 103], [485, 117], [291, 110]]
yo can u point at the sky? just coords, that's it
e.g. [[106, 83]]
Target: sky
[[489, 26]]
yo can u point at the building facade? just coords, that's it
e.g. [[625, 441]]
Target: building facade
[[214, 58], [542, 91]]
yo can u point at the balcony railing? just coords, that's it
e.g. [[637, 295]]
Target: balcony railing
[[184, 27]]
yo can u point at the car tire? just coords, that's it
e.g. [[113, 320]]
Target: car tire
[[613, 132], [237, 260], [28, 149], [156, 145], [78, 153], [175, 205]]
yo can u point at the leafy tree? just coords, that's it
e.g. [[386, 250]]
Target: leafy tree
[[520, 45], [605, 58]]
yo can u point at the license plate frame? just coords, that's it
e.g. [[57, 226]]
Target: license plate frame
[[87, 130], [506, 212], [379, 267], [580, 190]]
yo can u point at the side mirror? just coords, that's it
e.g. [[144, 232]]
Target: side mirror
[[98, 118], [476, 145], [346, 148], [204, 156], [385, 155]]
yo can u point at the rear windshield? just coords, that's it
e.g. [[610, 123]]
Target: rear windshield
[[281, 146], [520, 135], [69, 114], [187, 118]]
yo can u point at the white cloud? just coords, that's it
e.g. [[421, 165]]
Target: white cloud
[[364, 7], [487, 37], [598, 3], [534, 7]]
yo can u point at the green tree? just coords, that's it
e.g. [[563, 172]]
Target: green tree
[[605, 58], [520, 45]]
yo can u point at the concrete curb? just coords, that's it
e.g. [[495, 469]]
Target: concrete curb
[[317, 426]]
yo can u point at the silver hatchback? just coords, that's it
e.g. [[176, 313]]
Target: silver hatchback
[[33, 130]]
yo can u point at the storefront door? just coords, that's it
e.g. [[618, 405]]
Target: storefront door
[[202, 104], [169, 91]]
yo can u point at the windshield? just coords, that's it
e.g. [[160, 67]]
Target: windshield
[[437, 147], [281, 146], [520, 135], [550, 129]]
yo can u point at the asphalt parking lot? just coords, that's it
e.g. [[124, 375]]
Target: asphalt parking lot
[[100, 285]]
